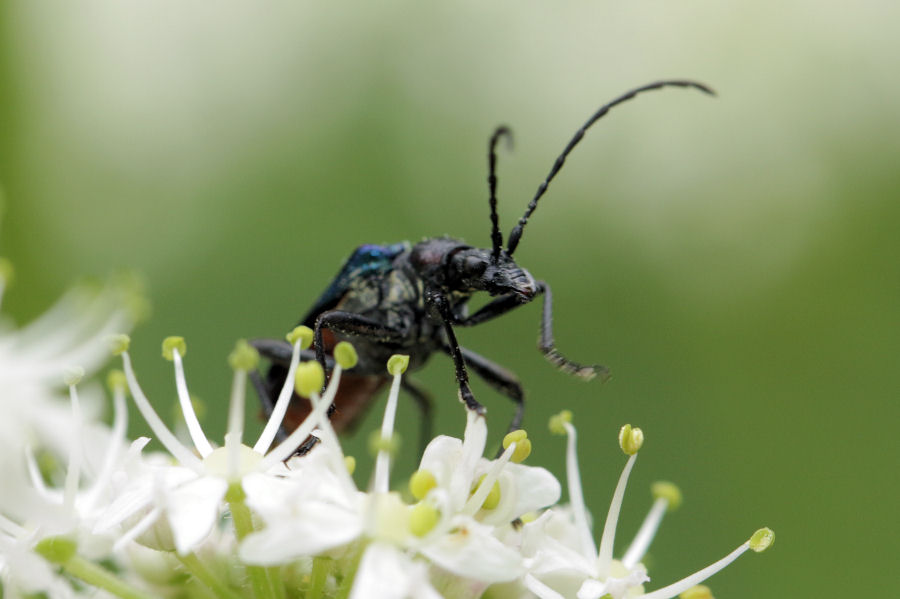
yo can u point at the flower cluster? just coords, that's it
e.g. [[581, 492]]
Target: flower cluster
[[262, 521]]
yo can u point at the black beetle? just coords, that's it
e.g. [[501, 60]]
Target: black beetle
[[407, 299]]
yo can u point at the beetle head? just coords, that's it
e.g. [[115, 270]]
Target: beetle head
[[474, 269]]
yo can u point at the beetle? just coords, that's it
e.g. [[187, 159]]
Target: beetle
[[408, 299]]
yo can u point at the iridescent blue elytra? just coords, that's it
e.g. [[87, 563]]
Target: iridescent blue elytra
[[369, 260]]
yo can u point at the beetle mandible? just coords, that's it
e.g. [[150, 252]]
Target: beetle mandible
[[407, 299]]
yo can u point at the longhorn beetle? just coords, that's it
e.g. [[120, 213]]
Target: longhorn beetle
[[408, 299]]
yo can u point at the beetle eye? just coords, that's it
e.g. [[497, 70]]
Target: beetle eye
[[475, 266]]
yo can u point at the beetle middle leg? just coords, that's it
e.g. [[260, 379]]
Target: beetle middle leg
[[424, 403]]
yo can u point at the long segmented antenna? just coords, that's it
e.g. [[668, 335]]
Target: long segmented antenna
[[516, 234], [496, 236]]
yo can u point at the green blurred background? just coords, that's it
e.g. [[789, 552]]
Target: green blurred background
[[734, 261]]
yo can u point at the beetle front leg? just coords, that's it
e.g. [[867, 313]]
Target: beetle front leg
[[496, 307], [440, 308], [548, 347], [500, 379]]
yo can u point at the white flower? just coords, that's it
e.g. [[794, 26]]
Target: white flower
[[564, 560], [190, 493], [69, 512], [72, 332]]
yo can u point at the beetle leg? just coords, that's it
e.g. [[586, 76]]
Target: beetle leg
[[548, 347], [493, 309], [424, 403], [440, 308], [348, 323], [500, 379], [279, 352]]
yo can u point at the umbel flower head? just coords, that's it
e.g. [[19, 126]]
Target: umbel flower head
[[235, 520]]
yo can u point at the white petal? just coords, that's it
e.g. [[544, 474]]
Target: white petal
[[193, 509], [316, 527], [471, 551], [591, 589], [386, 573], [523, 489]]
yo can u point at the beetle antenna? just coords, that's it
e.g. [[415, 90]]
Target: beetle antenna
[[496, 236], [516, 233]]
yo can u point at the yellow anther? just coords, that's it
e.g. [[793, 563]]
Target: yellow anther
[[350, 464], [73, 375], [345, 355], [762, 539], [118, 344], [668, 491], [116, 380], [302, 333], [493, 497], [421, 482], [309, 378], [377, 443], [171, 345], [243, 357], [558, 422], [700, 591], [523, 445], [423, 517], [397, 364], [630, 439]]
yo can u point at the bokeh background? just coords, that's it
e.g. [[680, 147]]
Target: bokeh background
[[734, 261]]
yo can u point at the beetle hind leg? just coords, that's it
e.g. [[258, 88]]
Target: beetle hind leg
[[425, 404]]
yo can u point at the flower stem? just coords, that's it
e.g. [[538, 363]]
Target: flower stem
[[260, 580], [346, 585], [198, 570], [319, 577], [101, 578]]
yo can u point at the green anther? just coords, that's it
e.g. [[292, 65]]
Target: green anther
[[171, 345], [558, 422], [523, 445], [309, 378], [350, 464], [762, 539], [377, 444], [243, 357], [303, 333], [56, 550], [630, 439], [668, 491], [423, 517], [493, 497], [700, 591], [118, 344], [73, 375], [420, 483], [345, 355], [397, 364], [116, 380], [6, 270]]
